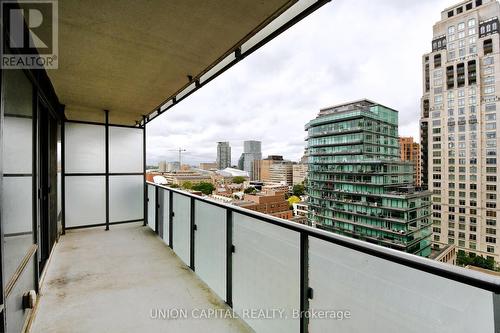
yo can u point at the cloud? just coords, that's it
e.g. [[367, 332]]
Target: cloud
[[347, 50]]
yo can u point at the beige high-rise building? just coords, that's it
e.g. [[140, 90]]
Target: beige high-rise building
[[299, 173], [261, 168], [410, 151], [281, 172], [459, 127]]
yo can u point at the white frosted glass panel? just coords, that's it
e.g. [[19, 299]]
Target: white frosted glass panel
[[152, 207], [85, 148], [266, 272], [385, 297], [18, 93], [125, 149], [166, 207], [181, 226], [17, 145], [16, 221], [17, 205], [210, 246], [85, 200], [126, 198]]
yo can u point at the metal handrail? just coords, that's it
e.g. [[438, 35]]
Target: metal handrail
[[455, 273]]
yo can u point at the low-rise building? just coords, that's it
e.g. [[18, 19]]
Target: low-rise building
[[300, 208], [208, 166], [277, 187], [444, 253], [227, 190], [267, 202], [181, 177], [300, 212]]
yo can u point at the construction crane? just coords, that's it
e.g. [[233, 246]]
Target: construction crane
[[180, 151]]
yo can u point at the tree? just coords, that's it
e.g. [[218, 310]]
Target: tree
[[204, 187], [187, 185], [174, 185], [464, 259], [250, 190], [298, 190], [293, 199], [238, 180]]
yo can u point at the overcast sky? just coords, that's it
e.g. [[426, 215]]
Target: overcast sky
[[347, 50]]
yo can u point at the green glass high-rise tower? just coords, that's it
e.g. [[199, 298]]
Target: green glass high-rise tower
[[357, 184]]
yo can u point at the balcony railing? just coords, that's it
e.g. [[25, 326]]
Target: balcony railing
[[320, 280]]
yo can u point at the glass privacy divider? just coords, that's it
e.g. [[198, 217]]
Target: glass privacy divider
[[103, 174]]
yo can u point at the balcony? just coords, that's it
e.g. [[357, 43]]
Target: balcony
[[121, 287], [197, 254], [88, 245]]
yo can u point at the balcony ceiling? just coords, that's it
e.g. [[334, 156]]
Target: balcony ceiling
[[129, 57]]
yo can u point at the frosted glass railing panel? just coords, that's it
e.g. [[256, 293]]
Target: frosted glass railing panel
[[126, 195], [152, 207], [85, 148], [384, 297], [85, 200], [266, 272], [165, 215], [125, 150], [210, 246], [18, 93], [17, 205], [16, 222], [181, 226], [17, 145]]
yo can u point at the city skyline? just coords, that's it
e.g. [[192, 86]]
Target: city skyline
[[279, 88]]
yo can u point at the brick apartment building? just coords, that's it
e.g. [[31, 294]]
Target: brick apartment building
[[267, 202], [410, 151]]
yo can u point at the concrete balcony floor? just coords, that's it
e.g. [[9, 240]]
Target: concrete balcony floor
[[109, 281]]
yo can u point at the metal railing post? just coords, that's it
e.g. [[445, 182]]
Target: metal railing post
[[63, 177], [171, 219], [107, 167], [144, 170], [229, 257], [192, 229], [496, 311], [157, 206], [305, 291]]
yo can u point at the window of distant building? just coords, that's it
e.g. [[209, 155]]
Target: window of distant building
[[489, 90], [488, 61]]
